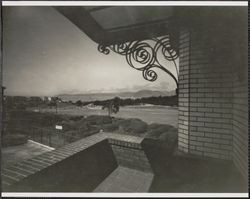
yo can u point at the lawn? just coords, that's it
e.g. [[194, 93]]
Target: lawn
[[148, 114]]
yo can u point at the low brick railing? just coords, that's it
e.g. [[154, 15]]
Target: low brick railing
[[18, 171], [127, 150]]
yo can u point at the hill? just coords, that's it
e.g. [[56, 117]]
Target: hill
[[105, 96]]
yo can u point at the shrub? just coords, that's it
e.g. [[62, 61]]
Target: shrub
[[71, 136], [98, 119], [110, 127], [159, 127], [169, 137], [161, 132], [76, 118], [68, 125], [18, 131], [161, 136], [132, 126], [81, 125]]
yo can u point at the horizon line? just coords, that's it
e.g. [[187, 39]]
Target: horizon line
[[86, 93]]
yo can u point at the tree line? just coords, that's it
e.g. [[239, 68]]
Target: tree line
[[160, 100]]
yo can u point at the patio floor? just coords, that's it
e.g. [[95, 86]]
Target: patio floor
[[185, 174], [179, 175], [124, 179]]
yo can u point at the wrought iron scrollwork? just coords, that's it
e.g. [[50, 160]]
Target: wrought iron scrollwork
[[144, 55]]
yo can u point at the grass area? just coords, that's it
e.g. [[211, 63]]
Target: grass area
[[148, 114]]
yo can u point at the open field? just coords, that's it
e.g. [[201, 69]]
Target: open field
[[154, 114]]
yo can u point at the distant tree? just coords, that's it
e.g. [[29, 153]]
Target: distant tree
[[54, 101], [112, 106], [78, 103], [15, 102], [159, 100], [20, 106], [35, 102]]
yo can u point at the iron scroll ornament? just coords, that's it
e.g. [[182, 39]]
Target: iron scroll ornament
[[144, 56]]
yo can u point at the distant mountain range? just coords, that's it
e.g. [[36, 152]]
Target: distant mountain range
[[104, 96]]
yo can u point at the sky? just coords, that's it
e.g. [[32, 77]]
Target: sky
[[45, 54]]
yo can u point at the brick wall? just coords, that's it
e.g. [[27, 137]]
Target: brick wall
[[213, 106], [205, 113], [80, 172], [129, 152], [85, 163], [240, 114], [210, 98], [28, 171], [1, 93], [183, 100]]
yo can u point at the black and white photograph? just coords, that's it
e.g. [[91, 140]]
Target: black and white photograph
[[124, 98]]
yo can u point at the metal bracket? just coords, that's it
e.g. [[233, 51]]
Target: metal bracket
[[144, 55]]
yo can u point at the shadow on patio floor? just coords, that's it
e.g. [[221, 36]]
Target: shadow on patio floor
[[185, 174]]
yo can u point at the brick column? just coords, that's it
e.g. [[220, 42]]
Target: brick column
[[183, 120], [205, 101]]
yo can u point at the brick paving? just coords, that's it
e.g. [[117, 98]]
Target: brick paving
[[124, 179], [18, 153]]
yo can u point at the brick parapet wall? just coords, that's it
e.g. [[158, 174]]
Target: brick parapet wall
[[18, 171], [127, 150]]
